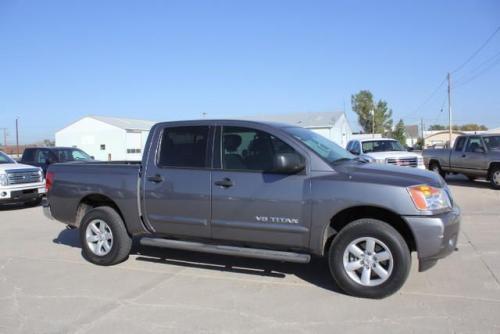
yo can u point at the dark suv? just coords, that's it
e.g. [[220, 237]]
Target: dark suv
[[44, 156]]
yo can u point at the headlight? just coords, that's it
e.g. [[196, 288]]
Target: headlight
[[3, 179], [40, 175], [427, 198], [420, 161]]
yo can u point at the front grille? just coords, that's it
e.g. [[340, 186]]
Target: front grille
[[408, 162], [22, 176]]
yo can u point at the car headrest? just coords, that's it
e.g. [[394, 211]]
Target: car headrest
[[232, 142]]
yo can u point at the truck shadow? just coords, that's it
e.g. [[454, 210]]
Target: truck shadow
[[17, 206], [316, 272], [462, 181]]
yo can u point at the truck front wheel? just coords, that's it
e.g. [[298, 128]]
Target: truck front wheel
[[495, 177], [369, 258], [103, 236]]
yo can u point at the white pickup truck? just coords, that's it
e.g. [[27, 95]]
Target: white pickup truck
[[385, 151], [20, 183]]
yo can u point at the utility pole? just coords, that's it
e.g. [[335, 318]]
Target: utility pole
[[4, 136], [449, 107], [17, 136], [422, 130], [373, 122]]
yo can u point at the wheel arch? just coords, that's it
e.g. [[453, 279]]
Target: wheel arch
[[348, 215], [92, 201]]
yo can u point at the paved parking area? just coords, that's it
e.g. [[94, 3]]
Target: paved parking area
[[47, 287]]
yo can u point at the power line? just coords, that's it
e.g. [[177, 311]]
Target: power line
[[483, 68], [477, 51], [427, 100]]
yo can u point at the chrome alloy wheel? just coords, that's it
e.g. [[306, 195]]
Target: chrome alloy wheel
[[99, 237], [368, 261], [496, 177]]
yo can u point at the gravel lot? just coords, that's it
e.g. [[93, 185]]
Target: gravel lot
[[46, 286]]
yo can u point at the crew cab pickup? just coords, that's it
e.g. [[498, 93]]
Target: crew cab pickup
[[44, 156], [20, 183], [261, 190], [475, 156]]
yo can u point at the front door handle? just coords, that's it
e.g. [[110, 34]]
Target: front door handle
[[463, 155], [155, 178], [225, 183]]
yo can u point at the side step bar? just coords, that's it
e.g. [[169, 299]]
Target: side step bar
[[227, 250]]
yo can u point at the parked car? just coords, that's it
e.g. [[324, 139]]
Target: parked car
[[475, 156], [385, 151], [44, 156], [260, 190], [20, 183]]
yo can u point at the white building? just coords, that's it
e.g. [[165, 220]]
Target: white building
[[107, 138], [332, 125]]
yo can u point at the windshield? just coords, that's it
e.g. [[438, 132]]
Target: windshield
[[382, 146], [69, 154], [492, 142], [322, 146], [5, 159]]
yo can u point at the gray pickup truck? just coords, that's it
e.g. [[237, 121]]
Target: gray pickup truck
[[261, 190], [475, 156]]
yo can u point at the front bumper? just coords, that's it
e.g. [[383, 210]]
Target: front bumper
[[435, 236], [21, 193]]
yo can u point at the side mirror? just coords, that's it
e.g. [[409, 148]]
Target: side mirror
[[288, 163], [49, 161], [92, 157], [479, 150], [354, 152]]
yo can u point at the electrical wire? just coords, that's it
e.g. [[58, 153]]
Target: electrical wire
[[475, 53], [483, 68]]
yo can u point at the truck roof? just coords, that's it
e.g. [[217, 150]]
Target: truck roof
[[242, 121]]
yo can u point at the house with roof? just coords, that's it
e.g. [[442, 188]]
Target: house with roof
[[107, 138], [332, 125]]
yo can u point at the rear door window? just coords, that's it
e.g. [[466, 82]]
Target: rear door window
[[42, 156], [184, 147]]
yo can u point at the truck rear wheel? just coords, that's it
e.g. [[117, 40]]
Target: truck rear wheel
[[436, 168], [369, 259], [103, 236]]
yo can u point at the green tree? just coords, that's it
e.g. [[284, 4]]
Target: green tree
[[399, 132], [465, 127], [473, 127], [363, 104], [437, 127]]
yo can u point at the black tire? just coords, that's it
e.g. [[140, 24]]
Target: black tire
[[495, 177], [383, 232], [435, 167], [34, 202], [121, 241]]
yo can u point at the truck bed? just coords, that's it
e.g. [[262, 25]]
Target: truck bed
[[77, 181], [441, 155]]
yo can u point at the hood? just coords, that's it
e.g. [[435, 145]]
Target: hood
[[393, 154], [4, 167], [389, 174]]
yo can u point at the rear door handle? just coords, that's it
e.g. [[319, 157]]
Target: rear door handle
[[225, 183], [155, 178], [463, 155]]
